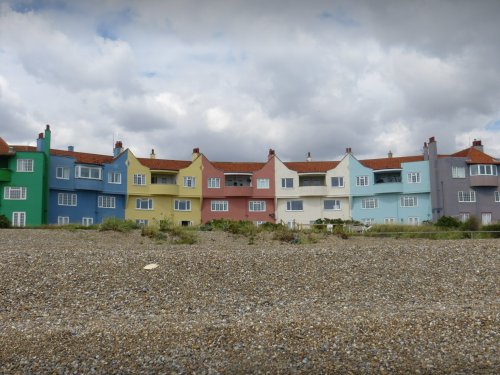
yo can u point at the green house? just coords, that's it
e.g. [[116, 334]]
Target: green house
[[23, 181]]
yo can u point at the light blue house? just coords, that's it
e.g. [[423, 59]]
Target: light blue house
[[87, 188], [392, 190]]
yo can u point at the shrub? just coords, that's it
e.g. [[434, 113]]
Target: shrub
[[117, 225], [494, 228], [4, 222], [448, 222], [471, 224]]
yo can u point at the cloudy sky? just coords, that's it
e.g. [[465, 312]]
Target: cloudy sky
[[237, 77]]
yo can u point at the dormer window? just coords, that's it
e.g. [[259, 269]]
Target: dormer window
[[93, 173], [483, 170]]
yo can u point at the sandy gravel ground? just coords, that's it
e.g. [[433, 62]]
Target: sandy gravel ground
[[81, 302]]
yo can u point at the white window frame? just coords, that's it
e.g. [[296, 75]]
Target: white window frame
[[285, 183], [144, 204], [219, 206], [340, 181], [457, 172], [87, 221], [290, 205], [80, 168], [19, 219], [114, 178], [179, 203], [369, 203], [139, 179], [483, 170], [368, 221], [362, 180], [257, 206], [413, 220], [213, 183], [62, 173], [25, 165], [464, 216], [67, 199], [467, 196], [142, 222], [336, 205], [497, 196], [189, 182], [262, 183], [106, 201], [62, 220], [414, 177], [15, 193], [408, 201], [389, 220]]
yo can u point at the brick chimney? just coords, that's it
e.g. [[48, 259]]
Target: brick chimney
[[118, 149], [478, 145], [271, 154], [348, 150], [196, 153]]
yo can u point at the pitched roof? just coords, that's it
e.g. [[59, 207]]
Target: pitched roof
[[238, 167], [4, 147], [25, 148], [475, 156], [390, 163], [84, 157], [311, 166], [162, 164]]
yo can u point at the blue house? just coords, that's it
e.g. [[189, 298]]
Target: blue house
[[87, 188], [392, 190]]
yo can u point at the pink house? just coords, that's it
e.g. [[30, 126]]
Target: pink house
[[238, 190]]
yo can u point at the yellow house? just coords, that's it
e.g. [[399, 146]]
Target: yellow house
[[164, 190]]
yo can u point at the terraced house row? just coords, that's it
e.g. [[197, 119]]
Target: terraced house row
[[40, 185]]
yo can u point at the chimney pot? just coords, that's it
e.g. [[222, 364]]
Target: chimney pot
[[432, 139], [118, 144], [309, 158], [153, 155], [348, 150], [389, 155], [40, 136], [196, 150], [47, 127]]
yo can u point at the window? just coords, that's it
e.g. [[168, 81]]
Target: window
[[19, 219], [369, 203], [262, 183], [389, 220], [87, 221], [182, 205], [337, 181], [287, 183], [214, 183], [361, 180], [497, 196], [483, 170], [257, 206], [295, 206], [467, 196], [25, 165], [408, 201], [104, 201], [458, 172], [139, 179], [368, 221], [144, 204], [62, 173], [66, 199], [189, 182], [413, 220], [62, 220], [486, 218], [464, 216], [14, 193], [142, 222], [114, 177], [331, 204], [217, 206], [414, 177], [93, 173]]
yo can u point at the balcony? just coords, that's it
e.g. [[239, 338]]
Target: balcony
[[388, 187], [5, 175], [238, 191], [483, 181], [163, 189], [305, 191]]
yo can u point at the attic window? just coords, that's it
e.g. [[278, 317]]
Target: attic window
[[483, 170]]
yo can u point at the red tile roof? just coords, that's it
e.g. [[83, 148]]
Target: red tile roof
[[390, 163], [4, 147], [83, 157], [166, 165], [311, 166], [475, 156], [237, 167], [25, 148]]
